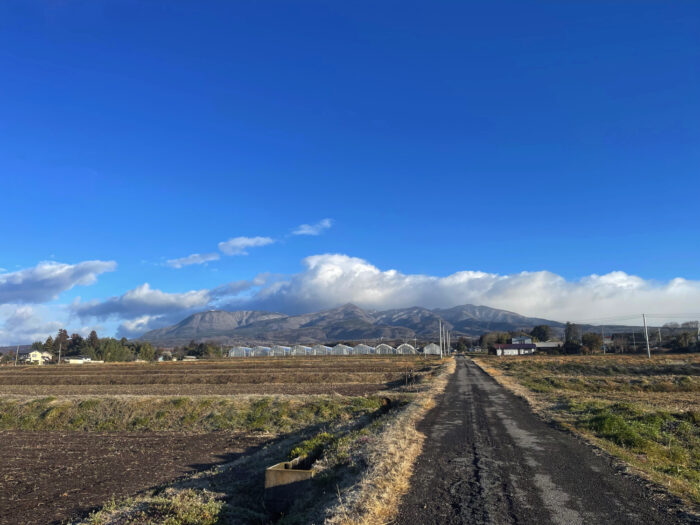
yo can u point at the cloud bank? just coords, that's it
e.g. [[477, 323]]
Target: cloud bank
[[329, 280], [313, 229], [45, 281]]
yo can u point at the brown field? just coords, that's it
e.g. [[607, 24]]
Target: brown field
[[49, 477], [298, 375], [78, 436]]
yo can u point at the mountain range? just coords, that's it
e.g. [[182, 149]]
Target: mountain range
[[346, 323]]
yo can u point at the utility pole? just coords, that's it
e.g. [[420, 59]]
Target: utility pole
[[646, 335], [59, 352], [16, 355], [634, 342], [602, 339], [440, 329], [658, 328]]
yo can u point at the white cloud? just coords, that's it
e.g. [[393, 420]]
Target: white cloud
[[313, 229], [45, 281], [332, 279], [329, 280], [23, 324], [144, 308], [140, 301], [239, 245], [195, 258]]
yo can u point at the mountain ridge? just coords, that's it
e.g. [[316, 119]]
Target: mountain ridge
[[346, 322]]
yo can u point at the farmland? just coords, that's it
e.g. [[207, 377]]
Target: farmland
[[644, 411], [84, 437]]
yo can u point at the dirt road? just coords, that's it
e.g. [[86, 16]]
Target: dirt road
[[489, 460]]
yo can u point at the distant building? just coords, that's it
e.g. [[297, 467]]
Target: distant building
[[384, 349], [36, 357], [405, 349], [521, 340], [363, 349], [431, 349], [301, 350], [78, 360], [320, 350], [341, 349], [514, 349], [545, 345], [239, 351]]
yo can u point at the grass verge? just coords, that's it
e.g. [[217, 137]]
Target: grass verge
[[638, 411]]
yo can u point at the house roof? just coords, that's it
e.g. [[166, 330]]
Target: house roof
[[516, 346]]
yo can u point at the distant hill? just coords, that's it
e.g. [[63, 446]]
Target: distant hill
[[347, 322]]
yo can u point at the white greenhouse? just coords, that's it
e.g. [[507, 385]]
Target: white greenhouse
[[301, 350], [260, 351], [385, 349], [321, 350], [363, 349], [280, 351], [431, 349], [239, 351], [341, 349], [405, 349]]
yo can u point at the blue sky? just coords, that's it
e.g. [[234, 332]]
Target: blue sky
[[494, 137]]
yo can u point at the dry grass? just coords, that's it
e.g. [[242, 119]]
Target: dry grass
[[375, 497]]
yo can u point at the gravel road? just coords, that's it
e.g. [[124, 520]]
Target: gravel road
[[489, 460]]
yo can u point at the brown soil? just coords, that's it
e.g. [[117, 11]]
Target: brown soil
[[344, 389], [50, 477]]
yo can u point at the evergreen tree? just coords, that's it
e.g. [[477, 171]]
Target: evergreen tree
[[92, 340]]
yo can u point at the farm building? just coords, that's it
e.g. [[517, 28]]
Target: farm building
[[431, 349], [363, 349], [239, 351], [280, 351], [385, 349], [550, 344], [301, 350], [78, 360], [320, 350], [260, 351], [522, 349], [341, 349], [405, 349]]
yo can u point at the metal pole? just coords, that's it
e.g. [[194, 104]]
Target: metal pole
[[634, 342], [16, 355], [440, 337], [646, 335], [602, 339], [59, 352]]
